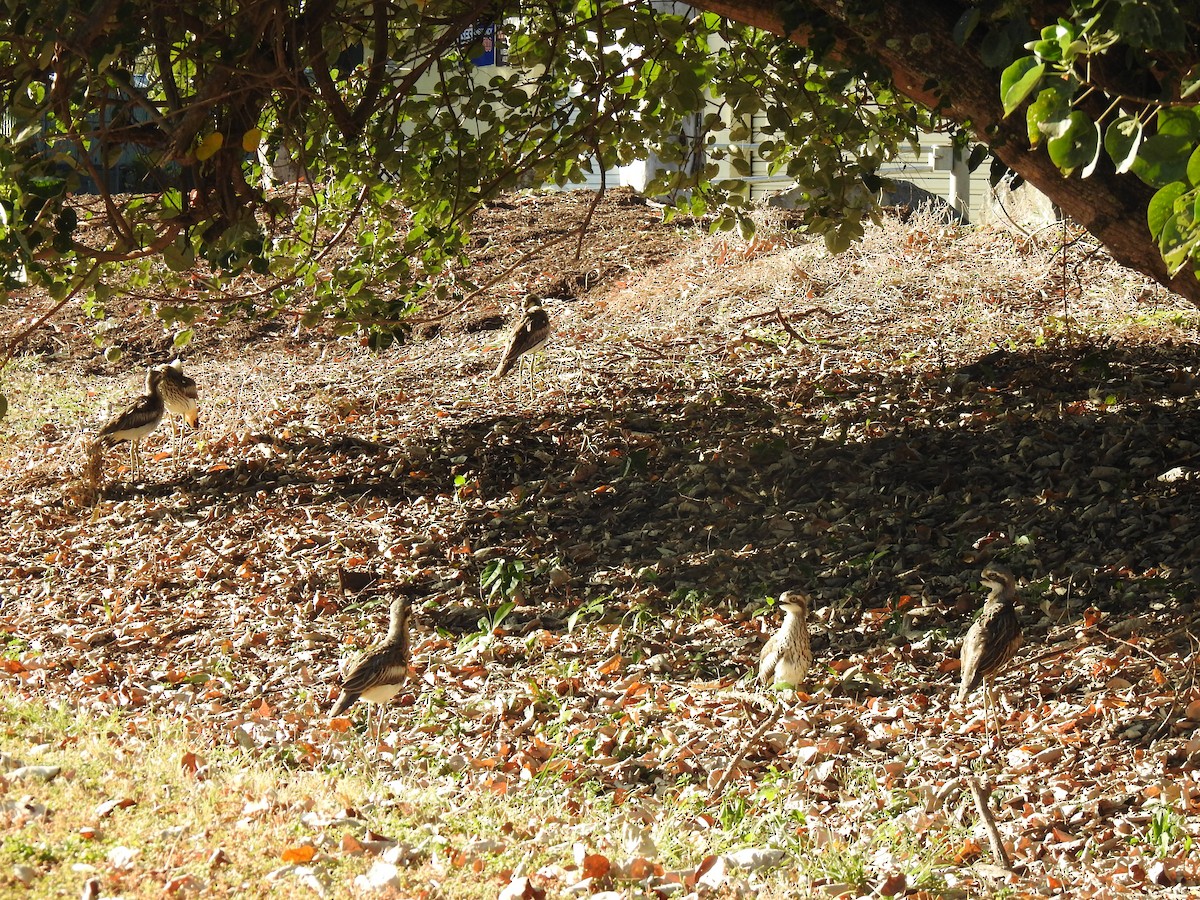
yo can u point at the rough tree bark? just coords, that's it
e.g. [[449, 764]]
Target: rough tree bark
[[913, 39]]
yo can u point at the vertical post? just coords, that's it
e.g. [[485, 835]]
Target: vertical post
[[958, 190]]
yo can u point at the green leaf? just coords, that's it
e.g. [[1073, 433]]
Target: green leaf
[[1019, 80], [965, 25], [3, 406], [112, 354], [1078, 145], [1122, 140], [183, 338], [1180, 121], [1047, 116], [179, 258], [1190, 83], [1162, 207], [1162, 159], [996, 48], [1193, 167], [1175, 246]]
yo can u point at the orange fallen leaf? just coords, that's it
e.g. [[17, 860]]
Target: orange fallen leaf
[[968, 850], [610, 665], [595, 865], [894, 884], [341, 725], [190, 762], [642, 868], [351, 844], [302, 854]]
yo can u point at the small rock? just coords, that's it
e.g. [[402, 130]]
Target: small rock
[[121, 857], [24, 874], [381, 875], [39, 773], [754, 858]]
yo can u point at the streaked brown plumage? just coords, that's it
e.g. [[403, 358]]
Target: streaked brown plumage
[[529, 336], [181, 398], [993, 638], [380, 672], [180, 394], [135, 421], [787, 656]]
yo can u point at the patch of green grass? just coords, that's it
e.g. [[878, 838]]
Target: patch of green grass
[[141, 803], [1177, 318], [1166, 829]]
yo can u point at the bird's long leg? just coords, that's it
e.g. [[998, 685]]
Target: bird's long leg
[[530, 358], [989, 696], [176, 440]]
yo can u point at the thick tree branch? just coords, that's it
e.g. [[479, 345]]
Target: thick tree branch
[[913, 39]]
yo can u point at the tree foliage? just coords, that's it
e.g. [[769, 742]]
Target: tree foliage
[[1119, 80], [395, 134]]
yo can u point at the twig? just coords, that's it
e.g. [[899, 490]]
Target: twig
[[11, 349], [750, 741], [1057, 650], [989, 823], [788, 328], [488, 285], [750, 339], [1133, 646]]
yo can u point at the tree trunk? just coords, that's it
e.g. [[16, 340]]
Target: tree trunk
[[913, 39]]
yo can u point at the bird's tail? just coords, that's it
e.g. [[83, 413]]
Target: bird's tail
[[344, 702], [95, 461]]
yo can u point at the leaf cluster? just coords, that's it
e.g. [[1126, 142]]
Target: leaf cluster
[[326, 163], [1113, 82]]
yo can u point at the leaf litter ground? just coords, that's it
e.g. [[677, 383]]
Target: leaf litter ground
[[716, 421]]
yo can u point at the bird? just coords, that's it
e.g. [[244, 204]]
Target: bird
[[993, 639], [787, 656], [180, 398], [134, 422], [529, 336], [378, 674]]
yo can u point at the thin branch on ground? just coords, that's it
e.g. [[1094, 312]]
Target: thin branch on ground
[[745, 748], [11, 350], [989, 823]]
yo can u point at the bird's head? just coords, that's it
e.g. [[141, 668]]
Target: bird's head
[[154, 379], [794, 602], [401, 609], [531, 301], [999, 578]]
